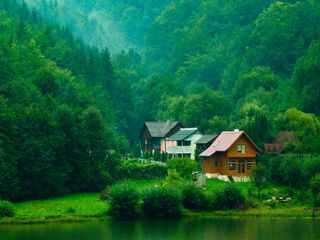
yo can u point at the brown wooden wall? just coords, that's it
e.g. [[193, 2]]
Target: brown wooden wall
[[232, 154], [250, 149]]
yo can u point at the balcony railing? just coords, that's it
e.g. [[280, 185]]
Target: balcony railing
[[180, 149]]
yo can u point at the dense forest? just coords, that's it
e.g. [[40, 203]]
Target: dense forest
[[59, 109], [66, 102], [213, 64]]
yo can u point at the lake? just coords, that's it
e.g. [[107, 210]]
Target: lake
[[190, 228]]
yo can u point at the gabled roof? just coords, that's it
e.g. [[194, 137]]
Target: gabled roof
[[182, 134], [207, 138], [160, 129], [224, 141]]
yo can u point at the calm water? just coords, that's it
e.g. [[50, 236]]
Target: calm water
[[235, 229]]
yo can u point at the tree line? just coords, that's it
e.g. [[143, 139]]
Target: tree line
[[59, 109]]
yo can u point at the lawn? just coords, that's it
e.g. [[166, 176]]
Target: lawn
[[88, 206], [74, 204], [215, 185]]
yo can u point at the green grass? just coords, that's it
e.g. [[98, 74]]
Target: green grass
[[82, 204], [89, 207]]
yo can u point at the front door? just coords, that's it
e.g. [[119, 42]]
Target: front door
[[241, 167]]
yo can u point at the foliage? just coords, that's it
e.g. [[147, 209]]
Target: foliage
[[237, 66], [6, 209], [260, 177], [305, 126], [306, 78], [57, 115], [133, 169], [292, 170], [213, 64], [254, 121], [162, 202], [184, 166], [315, 189], [194, 198], [228, 198], [173, 178], [123, 199]]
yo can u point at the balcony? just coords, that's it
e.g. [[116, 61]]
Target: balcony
[[180, 149]]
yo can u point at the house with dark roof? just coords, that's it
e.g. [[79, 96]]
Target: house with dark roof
[[232, 156], [153, 134], [183, 143]]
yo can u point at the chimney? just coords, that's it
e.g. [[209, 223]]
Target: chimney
[[236, 130]]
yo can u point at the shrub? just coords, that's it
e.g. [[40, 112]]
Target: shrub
[[315, 189], [173, 178], [162, 202], [123, 200], [194, 198], [272, 204], [252, 203], [133, 169], [70, 210], [184, 166], [6, 209], [260, 176], [228, 198]]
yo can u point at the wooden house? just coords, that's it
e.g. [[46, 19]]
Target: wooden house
[[231, 156], [183, 143], [153, 134]]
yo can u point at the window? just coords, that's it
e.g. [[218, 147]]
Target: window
[[216, 163], [241, 149], [186, 143], [250, 164], [232, 165]]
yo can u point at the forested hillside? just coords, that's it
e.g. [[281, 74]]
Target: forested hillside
[[212, 64], [236, 64], [58, 109]]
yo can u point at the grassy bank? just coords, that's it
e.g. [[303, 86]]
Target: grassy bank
[[88, 207]]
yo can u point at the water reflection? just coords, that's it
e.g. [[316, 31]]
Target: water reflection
[[218, 228]]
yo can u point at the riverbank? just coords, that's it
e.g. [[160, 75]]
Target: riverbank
[[89, 207]]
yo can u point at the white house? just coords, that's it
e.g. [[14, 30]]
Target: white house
[[183, 143]]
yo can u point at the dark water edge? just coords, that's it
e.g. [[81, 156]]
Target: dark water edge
[[218, 228]]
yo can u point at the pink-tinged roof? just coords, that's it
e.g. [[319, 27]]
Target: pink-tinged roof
[[224, 141]]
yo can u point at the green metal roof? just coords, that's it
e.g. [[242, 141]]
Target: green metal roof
[[182, 134]]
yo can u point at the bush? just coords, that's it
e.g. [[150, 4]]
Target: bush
[[6, 209], [292, 170], [133, 169], [123, 200], [194, 198], [184, 166], [260, 177], [162, 202], [70, 210], [173, 178], [252, 203], [229, 198], [315, 189]]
